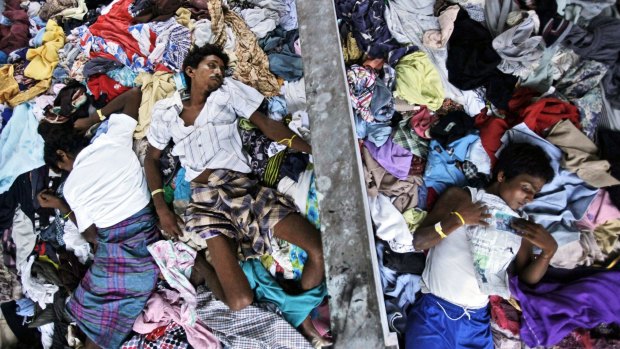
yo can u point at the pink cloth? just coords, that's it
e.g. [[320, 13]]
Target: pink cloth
[[422, 122], [175, 261], [162, 308], [600, 211]]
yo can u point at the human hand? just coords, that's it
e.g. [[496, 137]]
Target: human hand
[[537, 235], [48, 199], [170, 222], [474, 213]]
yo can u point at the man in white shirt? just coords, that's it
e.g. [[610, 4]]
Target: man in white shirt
[[229, 211]]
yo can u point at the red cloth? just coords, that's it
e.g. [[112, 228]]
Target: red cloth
[[15, 36], [504, 314], [538, 116], [491, 131], [542, 114], [547, 112], [114, 27], [100, 84]]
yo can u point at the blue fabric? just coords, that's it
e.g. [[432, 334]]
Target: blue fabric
[[429, 327], [25, 307], [182, 190], [295, 308], [3, 57], [279, 45], [38, 39], [561, 202], [376, 132], [441, 168], [21, 146], [124, 76], [276, 107]]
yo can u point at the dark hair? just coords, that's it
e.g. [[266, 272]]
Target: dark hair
[[197, 54], [59, 137], [524, 158]]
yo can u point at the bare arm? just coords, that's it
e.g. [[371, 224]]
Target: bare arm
[[277, 131], [454, 199], [127, 103], [154, 181]]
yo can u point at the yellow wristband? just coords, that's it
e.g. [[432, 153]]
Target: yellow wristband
[[67, 215], [156, 191], [289, 141], [101, 116], [439, 230], [458, 215]]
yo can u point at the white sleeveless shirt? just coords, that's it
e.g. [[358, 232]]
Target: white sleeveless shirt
[[471, 263]]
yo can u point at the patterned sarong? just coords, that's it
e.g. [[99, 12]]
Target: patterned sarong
[[237, 206], [122, 277]]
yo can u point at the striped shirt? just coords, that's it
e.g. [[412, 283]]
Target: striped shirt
[[213, 142]]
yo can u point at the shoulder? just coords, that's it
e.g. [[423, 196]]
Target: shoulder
[[168, 109]]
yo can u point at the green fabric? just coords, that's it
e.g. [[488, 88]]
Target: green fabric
[[414, 217], [418, 81], [295, 308], [246, 124]]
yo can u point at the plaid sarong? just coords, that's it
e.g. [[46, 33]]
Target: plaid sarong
[[116, 287], [237, 206], [249, 328]]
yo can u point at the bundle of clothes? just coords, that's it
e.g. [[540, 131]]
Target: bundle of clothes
[[61, 61], [437, 88]]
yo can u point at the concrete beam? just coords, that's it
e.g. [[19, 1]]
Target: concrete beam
[[356, 302]]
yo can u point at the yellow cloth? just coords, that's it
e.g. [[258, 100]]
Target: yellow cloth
[[350, 50], [8, 85], [252, 63], [154, 88], [607, 235], [44, 58], [183, 17], [414, 217], [30, 93], [418, 81]]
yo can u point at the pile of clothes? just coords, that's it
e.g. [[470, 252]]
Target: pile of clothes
[[438, 87], [60, 60]]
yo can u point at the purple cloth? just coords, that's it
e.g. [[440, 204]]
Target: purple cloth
[[553, 309], [392, 157]]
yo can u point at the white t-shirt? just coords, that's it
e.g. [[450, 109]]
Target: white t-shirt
[[213, 141], [107, 183], [450, 271]]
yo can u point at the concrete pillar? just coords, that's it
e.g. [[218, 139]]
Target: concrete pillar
[[356, 301]]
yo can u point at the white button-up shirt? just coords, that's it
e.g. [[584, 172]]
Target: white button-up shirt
[[213, 142]]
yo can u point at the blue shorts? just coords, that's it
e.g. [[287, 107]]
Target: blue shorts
[[434, 323]]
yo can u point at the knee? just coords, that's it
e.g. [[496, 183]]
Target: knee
[[241, 301]]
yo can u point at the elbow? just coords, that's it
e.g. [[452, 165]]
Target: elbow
[[240, 302]]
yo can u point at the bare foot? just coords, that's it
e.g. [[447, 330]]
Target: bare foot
[[312, 335]]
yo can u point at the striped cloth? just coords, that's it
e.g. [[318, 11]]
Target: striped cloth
[[122, 277], [237, 206]]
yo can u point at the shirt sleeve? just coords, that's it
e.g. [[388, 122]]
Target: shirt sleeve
[[120, 129], [83, 219], [245, 99], [158, 133]]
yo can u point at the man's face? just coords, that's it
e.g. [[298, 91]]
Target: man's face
[[209, 73]]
